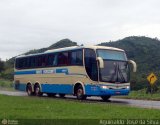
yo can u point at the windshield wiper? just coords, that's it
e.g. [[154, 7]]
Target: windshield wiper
[[114, 74], [121, 75]]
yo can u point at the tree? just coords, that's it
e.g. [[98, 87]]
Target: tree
[[1, 65]]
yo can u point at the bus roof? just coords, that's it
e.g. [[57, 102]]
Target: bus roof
[[72, 48]]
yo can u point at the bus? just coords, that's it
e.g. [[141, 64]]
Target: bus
[[79, 70]]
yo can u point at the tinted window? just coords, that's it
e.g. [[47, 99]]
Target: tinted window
[[77, 57], [91, 64], [63, 59], [51, 60], [32, 62], [47, 60], [22, 63], [41, 61], [18, 63]]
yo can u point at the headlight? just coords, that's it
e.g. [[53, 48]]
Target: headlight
[[127, 87], [104, 87]]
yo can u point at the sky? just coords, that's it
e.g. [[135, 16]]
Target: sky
[[33, 24]]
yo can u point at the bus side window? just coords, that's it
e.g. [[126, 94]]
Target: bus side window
[[25, 63], [43, 64], [91, 64], [55, 60], [76, 57], [17, 64], [39, 61], [50, 59], [32, 62], [63, 59]]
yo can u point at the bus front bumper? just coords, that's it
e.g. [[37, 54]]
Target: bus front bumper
[[101, 90]]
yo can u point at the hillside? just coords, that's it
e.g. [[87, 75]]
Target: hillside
[[144, 50], [60, 44]]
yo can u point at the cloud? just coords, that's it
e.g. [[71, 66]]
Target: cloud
[[28, 24]]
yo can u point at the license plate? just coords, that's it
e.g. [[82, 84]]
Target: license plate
[[118, 92]]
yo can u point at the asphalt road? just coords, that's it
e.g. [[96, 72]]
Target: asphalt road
[[129, 102]]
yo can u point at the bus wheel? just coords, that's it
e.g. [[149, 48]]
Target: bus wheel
[[51, 94], [62, 95], [105, 98], [29, 90], [37, 90], [80, 93]]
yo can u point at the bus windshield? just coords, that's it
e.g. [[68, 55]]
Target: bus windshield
[[111, 54], [116, 68]]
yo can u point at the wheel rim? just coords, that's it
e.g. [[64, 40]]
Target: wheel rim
[[37, 90], [79, 92]]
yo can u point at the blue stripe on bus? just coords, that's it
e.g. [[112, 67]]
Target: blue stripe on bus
[[30, 72], [64, 70], [90, 90], [25, 72]]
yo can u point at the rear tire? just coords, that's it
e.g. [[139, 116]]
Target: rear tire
[[37, 90], [29, 90], [105, 98], [80, 93]]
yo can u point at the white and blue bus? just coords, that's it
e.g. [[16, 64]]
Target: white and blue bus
[[79, 71]]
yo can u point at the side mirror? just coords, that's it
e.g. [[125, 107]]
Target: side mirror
[[101, 63], [133, 64]]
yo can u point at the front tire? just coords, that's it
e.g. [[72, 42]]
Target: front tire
[[105, 98], [37, 90], [80, 93]]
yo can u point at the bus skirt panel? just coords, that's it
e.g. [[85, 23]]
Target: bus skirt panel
[[90, 89]]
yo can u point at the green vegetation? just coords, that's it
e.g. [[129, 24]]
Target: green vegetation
[[6, 70], [141, 94], [12, 107], [1, 65], [6, 84]]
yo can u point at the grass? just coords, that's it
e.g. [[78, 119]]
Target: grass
[[141, 94], [12, 107], [23, 108], [28, 109]]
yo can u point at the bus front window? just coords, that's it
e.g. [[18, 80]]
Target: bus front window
[[91, 64], [116, 68]]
